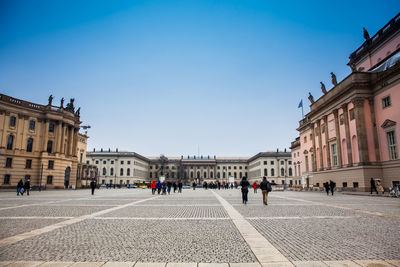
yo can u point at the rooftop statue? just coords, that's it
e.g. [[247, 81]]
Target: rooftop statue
[[334, 81], [323, 88], [78, 111], [62, 103], [70, 106], [311, 98], [366, 34], [50, 100]]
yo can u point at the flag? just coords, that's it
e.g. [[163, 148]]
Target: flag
[[300, 104]]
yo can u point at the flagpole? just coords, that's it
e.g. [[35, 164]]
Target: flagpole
[[302, 112]]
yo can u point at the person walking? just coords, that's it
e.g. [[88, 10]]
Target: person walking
[[194, 186], [180, 185], [379, 186], [169, 185], [164, 188], [255, 187], [245, 189], [332, 186], [265, 187], [92, 186], [153, 187], [20, 188], [174, 187], [326, 185], [27, 186], [219, 185], [373, 185], [158, 185]]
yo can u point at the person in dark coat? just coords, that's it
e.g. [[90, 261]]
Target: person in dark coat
[[373, 185], [265, 187], [332, 186], [194, 186], [180, 185], [20, 185], [219, 185], [327, 188], [92, 186], [174, 186], [169, 185], [158, 185], [245, 189], [164, 188], [27, 186]]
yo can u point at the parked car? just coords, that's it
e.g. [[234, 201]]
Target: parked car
[[131, 186]]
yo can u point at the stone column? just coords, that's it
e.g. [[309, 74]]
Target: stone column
[[314, 158], [328, 150], [361, 130], [61, 148], [347, 130], [70, 140], [374, 130], [45, 134], [321, 155], [58, 137], [75, 141], [338, 139]]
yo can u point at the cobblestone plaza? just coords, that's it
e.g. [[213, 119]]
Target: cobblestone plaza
[[131, 227]]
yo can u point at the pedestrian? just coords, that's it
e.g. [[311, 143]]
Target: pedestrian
[[219, 185], [180, 185], [92, 186], [169, 185], [153, 187], [158, 185], [326, 185], [245, 189], [265, 187], [379, 186], [20, 188], [194, 186], [164, 188], [255, 187], [174, 186], [27, 186], [332, 185], [373, 185]]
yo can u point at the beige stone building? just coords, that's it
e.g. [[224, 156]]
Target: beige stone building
[[129, 167], [41, 143]]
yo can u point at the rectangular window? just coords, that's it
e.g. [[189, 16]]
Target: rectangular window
[[104, 162], [103, 181], [51, 127], [241, 167], [355, 184], [7, 179], [351, 112], [344, 184], [307, 169], [290, 162], [51, 165], [282, 162], [8, 162], [87, 162], [341, 119], [392, 145], [334, 155], [265, 162], [386, 102], [122, 162], [129, 162], [28, 164], [272, 162], [112, 162], [305, 139], [323, 128], [49, 179], [13, 121], [97, 162], [32, 125], [317, 184], [49, 146]]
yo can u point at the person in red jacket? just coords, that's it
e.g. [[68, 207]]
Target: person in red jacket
[[255, 185], [153, 187]]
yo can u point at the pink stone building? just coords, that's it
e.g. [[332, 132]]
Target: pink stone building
[[352, 131]]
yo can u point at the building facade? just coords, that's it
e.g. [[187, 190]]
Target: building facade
[[129, 167], [352, 131], [40, 143]]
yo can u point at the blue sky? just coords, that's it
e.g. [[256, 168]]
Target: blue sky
[[171, 76]]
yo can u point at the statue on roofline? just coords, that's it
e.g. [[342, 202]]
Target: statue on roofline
[[50, 100], [78, 112], [334, 81], [366, 34], [62, 103], [323, 88], [311, 98], [70, 106]]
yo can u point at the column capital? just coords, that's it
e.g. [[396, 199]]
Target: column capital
[[344, 107], [335, 112], [371, 100], [358, 101]]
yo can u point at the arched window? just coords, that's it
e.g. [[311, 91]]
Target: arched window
[[234, 175], [121, 172], [128, 172], [191, 174], [240, 175], [290, 172], [282, 172], [218, 175], [211, 175], [29, 145], [104, 171], [10, 142], [272, 172], [265, 172], [172, 175], [205, 174], [49, 146], [112, 171], [223, 174], [198, 175], [151, 174]]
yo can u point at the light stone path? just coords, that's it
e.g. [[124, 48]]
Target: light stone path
[[201, 228]]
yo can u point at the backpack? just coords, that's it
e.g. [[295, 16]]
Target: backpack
[[269, 187]]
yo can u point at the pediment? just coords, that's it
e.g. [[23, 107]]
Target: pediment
[[388, 123]]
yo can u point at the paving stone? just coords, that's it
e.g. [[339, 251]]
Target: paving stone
[[150, 264], [87, 264], [277, 264], [341, 264], [118, 264], [373, 263], [181, 264], [252, 264], [309, 264], [394, 262], [213, 265], [25, 263], [56, 264], [5, 263]]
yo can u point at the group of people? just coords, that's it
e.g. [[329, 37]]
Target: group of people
[[23, 187], [165, 187], [329, 186], [265, 187], [376, 186], [217, 185]]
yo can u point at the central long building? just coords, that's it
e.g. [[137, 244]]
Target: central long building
[[120, 167]]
